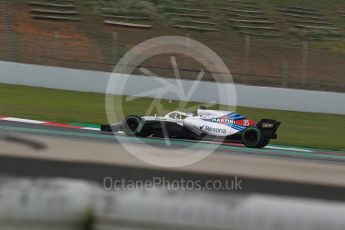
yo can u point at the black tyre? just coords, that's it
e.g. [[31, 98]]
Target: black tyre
[[264, 143], [252, 137], [132, 125]]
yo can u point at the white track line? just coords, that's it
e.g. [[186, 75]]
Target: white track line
[[28, 121], [22, 120], [90, 128], [288, 148]]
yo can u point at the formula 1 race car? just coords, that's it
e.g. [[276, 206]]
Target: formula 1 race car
[[214, 124]]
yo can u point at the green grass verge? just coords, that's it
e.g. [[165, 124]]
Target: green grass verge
[[314, 130]]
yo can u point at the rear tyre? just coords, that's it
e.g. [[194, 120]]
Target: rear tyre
[[264, 143], [132, 125], [252, 137]]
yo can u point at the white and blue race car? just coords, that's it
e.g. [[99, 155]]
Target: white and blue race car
[[206, 124]]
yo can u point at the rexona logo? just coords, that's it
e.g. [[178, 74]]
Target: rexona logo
[[211, 129], [221, 120]]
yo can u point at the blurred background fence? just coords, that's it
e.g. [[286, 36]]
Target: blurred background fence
[[89, 44], [251, 61]]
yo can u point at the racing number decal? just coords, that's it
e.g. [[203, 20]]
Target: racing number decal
[[246, 123]]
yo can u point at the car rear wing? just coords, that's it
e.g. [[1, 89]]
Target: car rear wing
[[269, 128]]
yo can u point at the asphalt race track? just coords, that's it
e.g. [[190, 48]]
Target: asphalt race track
[[230, 148], [46, 151]]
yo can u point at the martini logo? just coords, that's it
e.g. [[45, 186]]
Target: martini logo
[[222, 120]]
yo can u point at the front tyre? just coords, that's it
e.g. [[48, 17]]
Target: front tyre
[[132, 125], [253, 137]]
